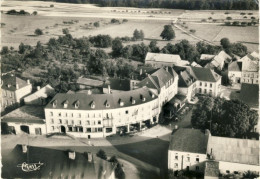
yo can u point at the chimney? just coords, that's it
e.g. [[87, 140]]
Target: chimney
[[207, 132], [89, 92], [28, 82], [38, 88], [72, 155], [141, 71], [109, 90], [167, 69], [17, 86], [24, 147], [89, 157]]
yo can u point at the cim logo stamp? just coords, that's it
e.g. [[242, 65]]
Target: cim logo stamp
[[30, 167]]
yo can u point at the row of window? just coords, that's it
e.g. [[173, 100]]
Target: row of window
[[6, 103], [205, 91], [206, 84], [78, 122], [187, 168], [187, 158], [250, 80], [95, 115], [250, 75], [10, 94]]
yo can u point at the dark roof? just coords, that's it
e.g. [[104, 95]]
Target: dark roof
[[250, 94], [189, 140], [9, 82], [178, 98], [235, 66], [185, 79], [159, 78], [118, 84], [142, 72], [102, 101], [56, 164], [26, 114], [212, 169], [205, 74]]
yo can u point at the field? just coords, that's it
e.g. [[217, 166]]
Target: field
[[19, 29]]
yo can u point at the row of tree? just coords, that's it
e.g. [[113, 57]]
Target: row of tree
[[174, 4]]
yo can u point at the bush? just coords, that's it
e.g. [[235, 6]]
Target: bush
[[227, 13], [228, 23], [192, 30], [252, 17], [125, 20], [209, 18], [4, 50], [113, 21], [38, 32], [214, 20], [203, 20], [65, 31], [242, 13], [96, 24], [51, 5], [34, 13], [101, 154], [243, 24], [245, 17], [235, 23], [229, 18], [250, 13]]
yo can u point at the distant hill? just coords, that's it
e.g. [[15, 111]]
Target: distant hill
[[174, 4]]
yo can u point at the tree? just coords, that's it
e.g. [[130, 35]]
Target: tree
[[38, 32], [168, 33], [4, 50], [141, 35], [65, 31], [153, 46], [127, 51], [229, 18], [225, 43], [117, 47], [113, 159], [119, 173], [35, 13], [224, 118], [101, 154], [239, 49], [96, 24], [136, 35]]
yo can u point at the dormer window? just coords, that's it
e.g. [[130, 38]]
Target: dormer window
[[121, 102], [54, 103], [77, 104], [132, 100], [93, 105], [107, 104], [142, 98], [65, 104], [152, 94]]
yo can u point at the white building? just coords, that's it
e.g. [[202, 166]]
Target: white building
[[159, 60], [40, 97], [13, 90], [216, 61], [235, 72], [188, 150], [100, 115], [207, 81], [163, 82], [26, 119]]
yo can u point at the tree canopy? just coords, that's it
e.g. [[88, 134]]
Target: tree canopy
[[168, 33], [225, 118]]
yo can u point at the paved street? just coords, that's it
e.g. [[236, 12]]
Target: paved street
[[144, 152]]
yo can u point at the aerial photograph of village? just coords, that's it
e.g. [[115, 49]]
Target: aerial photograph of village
[[130, 89]]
